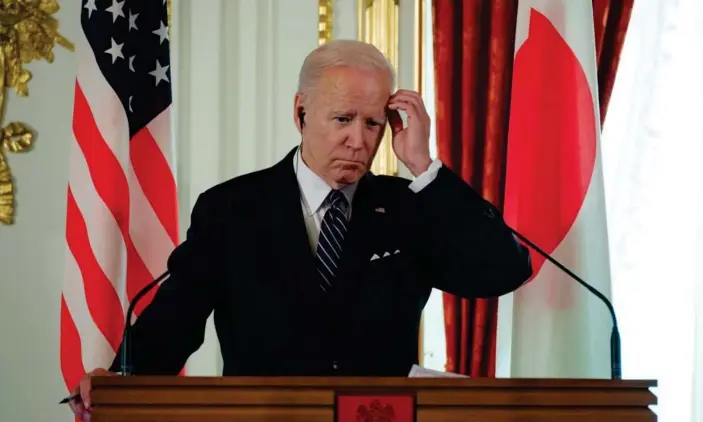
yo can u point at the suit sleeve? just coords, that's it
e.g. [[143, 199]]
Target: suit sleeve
[[172, 327], [469, 250]]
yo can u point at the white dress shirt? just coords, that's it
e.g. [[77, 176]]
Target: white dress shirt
[[314, 191]]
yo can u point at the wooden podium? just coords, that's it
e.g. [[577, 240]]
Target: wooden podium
[[231, 399]]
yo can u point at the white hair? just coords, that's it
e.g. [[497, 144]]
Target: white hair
[[342, 53]]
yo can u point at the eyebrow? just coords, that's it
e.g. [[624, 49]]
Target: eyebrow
[[339, 112]]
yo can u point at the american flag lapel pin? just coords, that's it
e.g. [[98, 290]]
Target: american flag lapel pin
[[380, 209]]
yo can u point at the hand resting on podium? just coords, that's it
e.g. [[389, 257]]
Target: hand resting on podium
[[80, 402]]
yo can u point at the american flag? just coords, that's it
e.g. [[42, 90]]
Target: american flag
[[122, 221]]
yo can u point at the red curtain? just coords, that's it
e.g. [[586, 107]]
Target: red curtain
[[474, 44], [611, 18]]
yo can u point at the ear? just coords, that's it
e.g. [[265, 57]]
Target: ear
[[297, 110]]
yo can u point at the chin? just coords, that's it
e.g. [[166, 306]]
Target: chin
[[347, 177]]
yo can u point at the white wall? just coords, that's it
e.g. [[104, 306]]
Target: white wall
[[235, 73], [344, 19], [237, 64]]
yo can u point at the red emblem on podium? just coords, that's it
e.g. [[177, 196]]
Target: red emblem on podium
[[364, 407]]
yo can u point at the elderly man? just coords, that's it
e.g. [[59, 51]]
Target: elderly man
[[315, 266]]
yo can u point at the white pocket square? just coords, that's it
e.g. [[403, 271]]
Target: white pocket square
[[385, 254]]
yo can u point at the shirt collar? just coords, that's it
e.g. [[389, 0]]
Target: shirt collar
[[313, 188]]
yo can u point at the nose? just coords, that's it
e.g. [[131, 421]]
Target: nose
[[355, 140]]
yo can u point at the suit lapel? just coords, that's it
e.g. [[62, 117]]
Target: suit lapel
[[289, 235], [364, 227]]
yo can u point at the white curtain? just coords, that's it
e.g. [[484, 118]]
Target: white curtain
[[433, 335], [653, 168]]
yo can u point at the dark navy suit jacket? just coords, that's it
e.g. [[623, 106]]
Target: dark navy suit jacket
[[247, 258]]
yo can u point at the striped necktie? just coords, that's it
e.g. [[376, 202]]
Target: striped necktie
[[331, 239]]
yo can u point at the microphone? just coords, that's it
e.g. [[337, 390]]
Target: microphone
[[615, 358], [125, 361]]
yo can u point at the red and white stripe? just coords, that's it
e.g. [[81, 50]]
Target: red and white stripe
[[553, 327], [121, 221]]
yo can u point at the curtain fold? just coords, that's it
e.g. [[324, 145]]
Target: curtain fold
[[610, 19], [474, 43]]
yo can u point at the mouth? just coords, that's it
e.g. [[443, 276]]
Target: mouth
[[352, 162]]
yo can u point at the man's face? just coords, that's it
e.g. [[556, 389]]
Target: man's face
[[344, 123]]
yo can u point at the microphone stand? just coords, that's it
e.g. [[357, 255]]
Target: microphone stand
[[125, 362], [615, 358]]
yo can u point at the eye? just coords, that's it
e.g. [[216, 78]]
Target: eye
[[373, 123], [343, 119]]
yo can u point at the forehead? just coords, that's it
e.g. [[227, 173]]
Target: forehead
[[353, 88]]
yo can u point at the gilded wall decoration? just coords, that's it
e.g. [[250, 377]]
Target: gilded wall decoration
[[28, 32], [324, 21]]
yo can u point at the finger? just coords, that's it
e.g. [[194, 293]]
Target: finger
[[76, 406], [413, 98], [409, 93], [79, 410], [408, 108], [416, 101], [409, 102], [85, 386], [395, 121]]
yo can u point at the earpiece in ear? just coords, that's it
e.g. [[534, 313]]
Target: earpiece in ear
[[301, 116]]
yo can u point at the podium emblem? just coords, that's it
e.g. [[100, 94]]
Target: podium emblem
[[377, 407], [376, 412]]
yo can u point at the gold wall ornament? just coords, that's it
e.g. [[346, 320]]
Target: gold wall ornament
[[378, 24], [324, 21], [15, 137], [28, 32]]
